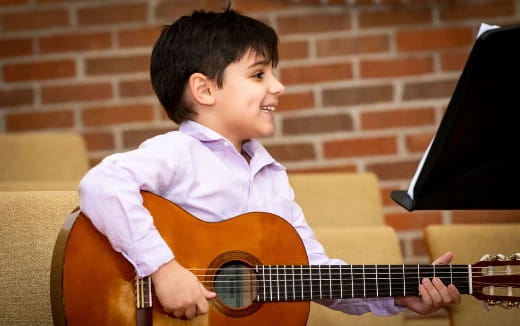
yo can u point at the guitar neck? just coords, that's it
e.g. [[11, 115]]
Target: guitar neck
[[300, 282]]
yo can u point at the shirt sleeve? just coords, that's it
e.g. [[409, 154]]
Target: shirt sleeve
[[110, 197], [317, 256]]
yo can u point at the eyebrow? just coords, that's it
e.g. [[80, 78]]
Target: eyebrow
[[259, 63]]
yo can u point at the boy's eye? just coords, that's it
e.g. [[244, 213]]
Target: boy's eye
[[258, 75]]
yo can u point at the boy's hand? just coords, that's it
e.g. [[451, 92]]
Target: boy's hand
[[434, 294], [180, 292]]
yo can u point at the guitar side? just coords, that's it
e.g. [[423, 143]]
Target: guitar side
[[97, 283]]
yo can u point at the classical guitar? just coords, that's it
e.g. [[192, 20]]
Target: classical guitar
[[256, 263]]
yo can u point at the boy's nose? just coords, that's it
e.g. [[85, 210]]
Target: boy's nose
[[277, 87]]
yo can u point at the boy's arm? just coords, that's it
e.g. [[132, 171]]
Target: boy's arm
[[110, 196]]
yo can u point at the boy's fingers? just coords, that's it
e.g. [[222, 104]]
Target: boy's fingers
[[455, 294], [444, 259], [190, 312], [434, 295], [207, 294], [202, 307], [426, 298], [443, 291]]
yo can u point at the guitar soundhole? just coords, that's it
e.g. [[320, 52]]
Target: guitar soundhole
[[235, 284]]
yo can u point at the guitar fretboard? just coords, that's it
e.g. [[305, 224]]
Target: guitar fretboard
[[300, 282]]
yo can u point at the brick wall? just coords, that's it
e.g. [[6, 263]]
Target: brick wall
[[366, 80]]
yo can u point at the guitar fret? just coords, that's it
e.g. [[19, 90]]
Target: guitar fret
[[340, 282], [377, 284], [404, 283], [352, 280], [364, 284], [310, 280], [319, 276], [451, 275], [293, 283], [270, 284], [330, 282], [301, 272], [285, 281], [418, 276], [390, 279]]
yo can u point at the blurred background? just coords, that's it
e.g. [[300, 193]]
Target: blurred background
[[367, 81]]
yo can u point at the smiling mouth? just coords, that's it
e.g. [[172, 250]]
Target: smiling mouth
[[268, 108]]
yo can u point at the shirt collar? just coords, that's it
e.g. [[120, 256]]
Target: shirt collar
[[260, 157]]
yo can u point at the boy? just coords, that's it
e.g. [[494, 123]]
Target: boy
[[213, 74]]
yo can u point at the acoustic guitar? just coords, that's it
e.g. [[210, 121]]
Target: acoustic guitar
[[256, 263]]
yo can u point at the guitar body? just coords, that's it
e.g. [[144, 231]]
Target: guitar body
[[98, 284]]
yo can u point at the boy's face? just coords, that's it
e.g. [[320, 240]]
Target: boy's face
[[246, 102]]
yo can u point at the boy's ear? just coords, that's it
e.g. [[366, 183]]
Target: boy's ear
[[201, 89]]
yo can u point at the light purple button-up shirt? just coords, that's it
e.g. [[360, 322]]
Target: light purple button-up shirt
[[203, 173]]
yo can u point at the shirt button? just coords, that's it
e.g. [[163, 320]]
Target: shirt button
[[226, 144]]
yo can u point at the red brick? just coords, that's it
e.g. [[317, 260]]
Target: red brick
[[396, 67], [313, 23], [413, 220], [136, 88], [248, 6], [317, 124], [76, 93], [395, 17], [429, 89], [318, 73], [293, 50], [434, 39], [132, 138], [110, 15], [56, 1], [357, 95], [419, 247], [16, 97], [171, 10], [15, 47], [216, 5], [418, 143], [102, 116], [394, 170], [387, 198], [487, 216], [339, 168], [140, 37], [353, 45], [32, 20], [99, 140], [75, 42], [397, 118], [17, 72], [292, 152], [7, 3], [117, 65], [360, 147], [453, 60], [39, 120], [459, 10], [296, 101]]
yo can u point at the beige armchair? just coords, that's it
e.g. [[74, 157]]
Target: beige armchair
[[338, 198], [42, 161], [468, 244], [31, 221]]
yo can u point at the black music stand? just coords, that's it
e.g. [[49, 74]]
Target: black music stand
[[474, 159]]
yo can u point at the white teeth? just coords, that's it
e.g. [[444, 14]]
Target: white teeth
[[267, 108]]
